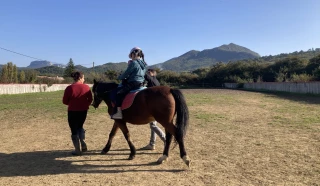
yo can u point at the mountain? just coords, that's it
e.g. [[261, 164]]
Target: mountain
[[197, 59], [81, 68], [55, 70], [39, 64], [110, 66]]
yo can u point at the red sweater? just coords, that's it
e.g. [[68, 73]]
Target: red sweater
[[77, 96]]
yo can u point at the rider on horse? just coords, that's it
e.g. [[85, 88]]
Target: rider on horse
[[132, 78]]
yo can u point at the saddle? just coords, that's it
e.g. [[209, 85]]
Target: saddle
[[128, 99]]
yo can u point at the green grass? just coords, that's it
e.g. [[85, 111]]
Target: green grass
[[48, 104], [207, 99], [299, 111]]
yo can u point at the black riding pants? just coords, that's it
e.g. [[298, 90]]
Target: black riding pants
[[125, 90], [76, 120]]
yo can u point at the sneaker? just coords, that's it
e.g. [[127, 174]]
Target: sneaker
[[117, 115], [148, 147]]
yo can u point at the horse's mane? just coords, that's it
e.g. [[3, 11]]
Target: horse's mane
[[107, 85]]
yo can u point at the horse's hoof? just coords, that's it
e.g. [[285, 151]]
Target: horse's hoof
[[187, 161], [131, 157], [103, 152], [162, 159]]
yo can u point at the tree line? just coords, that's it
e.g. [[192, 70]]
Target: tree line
[[289, 69], [10, 74], [292, 68]]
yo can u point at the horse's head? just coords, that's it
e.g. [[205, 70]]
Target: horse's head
[[101, 92], [96, 100]]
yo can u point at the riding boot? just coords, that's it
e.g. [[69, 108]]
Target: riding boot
[[117, 115], [82, 137], [76, 144]]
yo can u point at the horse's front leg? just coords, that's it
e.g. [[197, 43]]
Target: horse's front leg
[[123, 126], [111, 136]]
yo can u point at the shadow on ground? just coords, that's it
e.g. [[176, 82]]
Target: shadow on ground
[[49, 162]]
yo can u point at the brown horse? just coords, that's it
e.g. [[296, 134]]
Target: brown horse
[[160, 103]]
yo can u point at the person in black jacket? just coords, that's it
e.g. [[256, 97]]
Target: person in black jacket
[[151, 79]]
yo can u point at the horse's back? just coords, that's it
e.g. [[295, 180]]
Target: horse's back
[[151, 104]]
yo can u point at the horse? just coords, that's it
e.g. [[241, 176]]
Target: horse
[[159, 103]]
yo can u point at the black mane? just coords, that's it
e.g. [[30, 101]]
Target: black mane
[[101, 86]]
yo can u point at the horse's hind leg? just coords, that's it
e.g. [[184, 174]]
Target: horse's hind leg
[[183, 153], [111, 136], [125, 131], [165, 153], [171, 131]]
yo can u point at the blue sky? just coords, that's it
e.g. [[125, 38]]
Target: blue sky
[[105, 31]]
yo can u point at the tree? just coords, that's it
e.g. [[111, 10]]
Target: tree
[[22, 77], [111, 74], [314, 64], [4, 74], [9, 73], [14, 74], [31, 76], [69, 69]]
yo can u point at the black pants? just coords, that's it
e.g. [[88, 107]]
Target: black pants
[[76, 120], [125, 90]]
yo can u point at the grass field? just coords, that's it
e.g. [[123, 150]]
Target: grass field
[[235, 138]]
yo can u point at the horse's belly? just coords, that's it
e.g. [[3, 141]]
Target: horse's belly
[[139, 120]]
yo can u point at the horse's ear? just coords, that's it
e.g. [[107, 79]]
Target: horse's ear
[[94, 81]]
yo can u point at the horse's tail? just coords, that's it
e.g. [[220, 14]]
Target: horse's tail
[[182, 119]]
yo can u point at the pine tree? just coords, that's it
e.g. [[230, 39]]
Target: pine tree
[[69, 69]]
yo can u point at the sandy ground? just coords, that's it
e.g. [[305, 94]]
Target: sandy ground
[[231, 142]]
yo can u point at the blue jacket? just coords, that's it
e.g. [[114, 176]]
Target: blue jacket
[[135, 71]]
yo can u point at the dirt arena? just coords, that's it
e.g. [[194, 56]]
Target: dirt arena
[[234, 138]]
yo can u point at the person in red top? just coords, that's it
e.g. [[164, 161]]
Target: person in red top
[[78, 97]]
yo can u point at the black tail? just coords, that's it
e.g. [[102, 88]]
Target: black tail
[[182, 119]]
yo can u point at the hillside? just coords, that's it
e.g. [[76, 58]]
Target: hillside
[[197, 59], [51, 71], [191, 60], [58, 71], [110, 66]]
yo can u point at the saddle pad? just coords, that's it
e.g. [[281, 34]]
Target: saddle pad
[[138, 90], [129, 98]]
